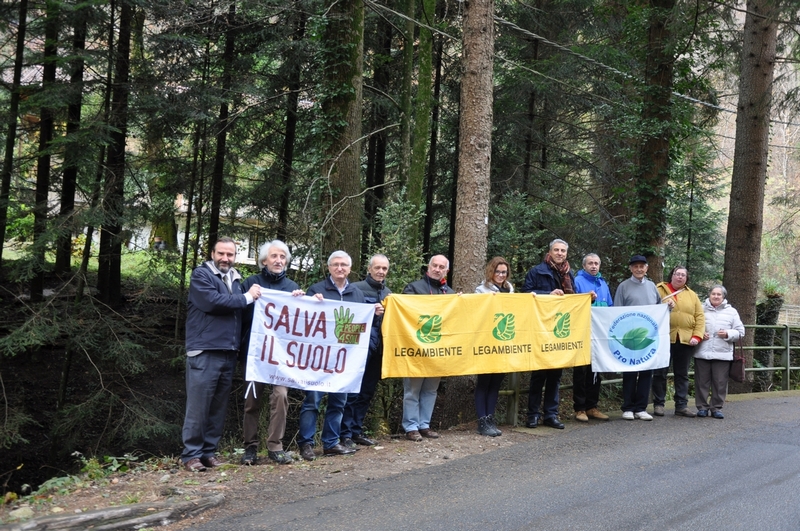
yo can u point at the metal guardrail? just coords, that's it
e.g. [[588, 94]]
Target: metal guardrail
[[514, 390]]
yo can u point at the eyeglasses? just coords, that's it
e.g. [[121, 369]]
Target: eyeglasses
[[339, 265], [501, 273]]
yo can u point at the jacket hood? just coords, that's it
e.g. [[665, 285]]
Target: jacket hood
[[708, 306]]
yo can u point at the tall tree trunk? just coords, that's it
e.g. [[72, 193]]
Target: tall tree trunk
[[422, 115], [223, 123], [342, 65], [376, 150], [290, 137], [746, 216], [475, 146], [654, 175], [431, 177], [110, 259], [11, 131], [404, 164], [71, 156], [41, 210]]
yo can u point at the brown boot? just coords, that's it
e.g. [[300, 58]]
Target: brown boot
[[594, 413]]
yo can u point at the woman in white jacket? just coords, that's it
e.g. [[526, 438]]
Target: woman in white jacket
[[713, 356]]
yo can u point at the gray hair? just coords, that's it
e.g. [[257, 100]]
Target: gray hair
[[721, 288], [263, 251], [558, 240], [374, 256], [443, 256], [340, 254], [589, 256]]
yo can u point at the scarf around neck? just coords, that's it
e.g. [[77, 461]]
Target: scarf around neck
[[563, 272]]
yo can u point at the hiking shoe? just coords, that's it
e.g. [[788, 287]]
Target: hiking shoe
[[627, 415], [717, 414], [658, 411], [581, 416], [250, 456], [643, 415], [595, 413], [703, 413], [685, 413], [307, 452], [349, 443], [413, 435], [279, 457]]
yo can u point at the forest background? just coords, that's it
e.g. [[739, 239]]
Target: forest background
[[138, 132]]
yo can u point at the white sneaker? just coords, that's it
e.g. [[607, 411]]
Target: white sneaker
[[627, 415], [643, 415]]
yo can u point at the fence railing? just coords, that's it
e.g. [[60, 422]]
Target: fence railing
[[514, 390]]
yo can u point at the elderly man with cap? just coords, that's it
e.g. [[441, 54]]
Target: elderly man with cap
[[637, 291]]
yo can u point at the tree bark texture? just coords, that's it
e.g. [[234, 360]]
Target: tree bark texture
[[475, 147], [422, 112], [223, 124], [109, 275], [71, 156], [745, 217], [651, 215], [343, 203], [11, 132], [46, 126]]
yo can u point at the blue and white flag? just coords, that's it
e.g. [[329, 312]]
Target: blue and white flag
[[630, 338]]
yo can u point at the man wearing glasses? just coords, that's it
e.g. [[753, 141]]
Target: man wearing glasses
[[335, 287]]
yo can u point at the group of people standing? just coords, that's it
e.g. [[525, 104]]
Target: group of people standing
[[219, 313], [703, 331]]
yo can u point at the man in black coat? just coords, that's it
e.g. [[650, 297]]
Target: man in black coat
[[419, 394]]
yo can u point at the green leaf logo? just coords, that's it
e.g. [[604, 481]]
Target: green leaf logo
[[431, 329], [562, 325], [504, 329], [635, 339]]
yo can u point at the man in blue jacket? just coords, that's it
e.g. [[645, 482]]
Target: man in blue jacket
[[355, 410], [336, 287], [552, 277], [213, 337], [585, 383]]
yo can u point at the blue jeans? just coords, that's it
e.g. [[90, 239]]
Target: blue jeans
[[330, 426], [355, 410], [550, 379], [419, 397], [209, 378]]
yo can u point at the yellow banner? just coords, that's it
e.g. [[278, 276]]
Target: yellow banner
[[479, 333]]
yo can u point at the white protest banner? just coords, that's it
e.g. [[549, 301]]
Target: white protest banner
[[630, 338], [309, 344]]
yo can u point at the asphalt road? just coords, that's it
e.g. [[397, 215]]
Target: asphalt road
[[740, 473]]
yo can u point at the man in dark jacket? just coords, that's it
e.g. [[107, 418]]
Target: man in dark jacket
[[213, 337], [551, 277], [275, 257], [419, 394], [375, 290], [335, 287]]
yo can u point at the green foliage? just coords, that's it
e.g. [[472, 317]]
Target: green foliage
[[20, 222], [515, 233], [395, 220], [772, 288]]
